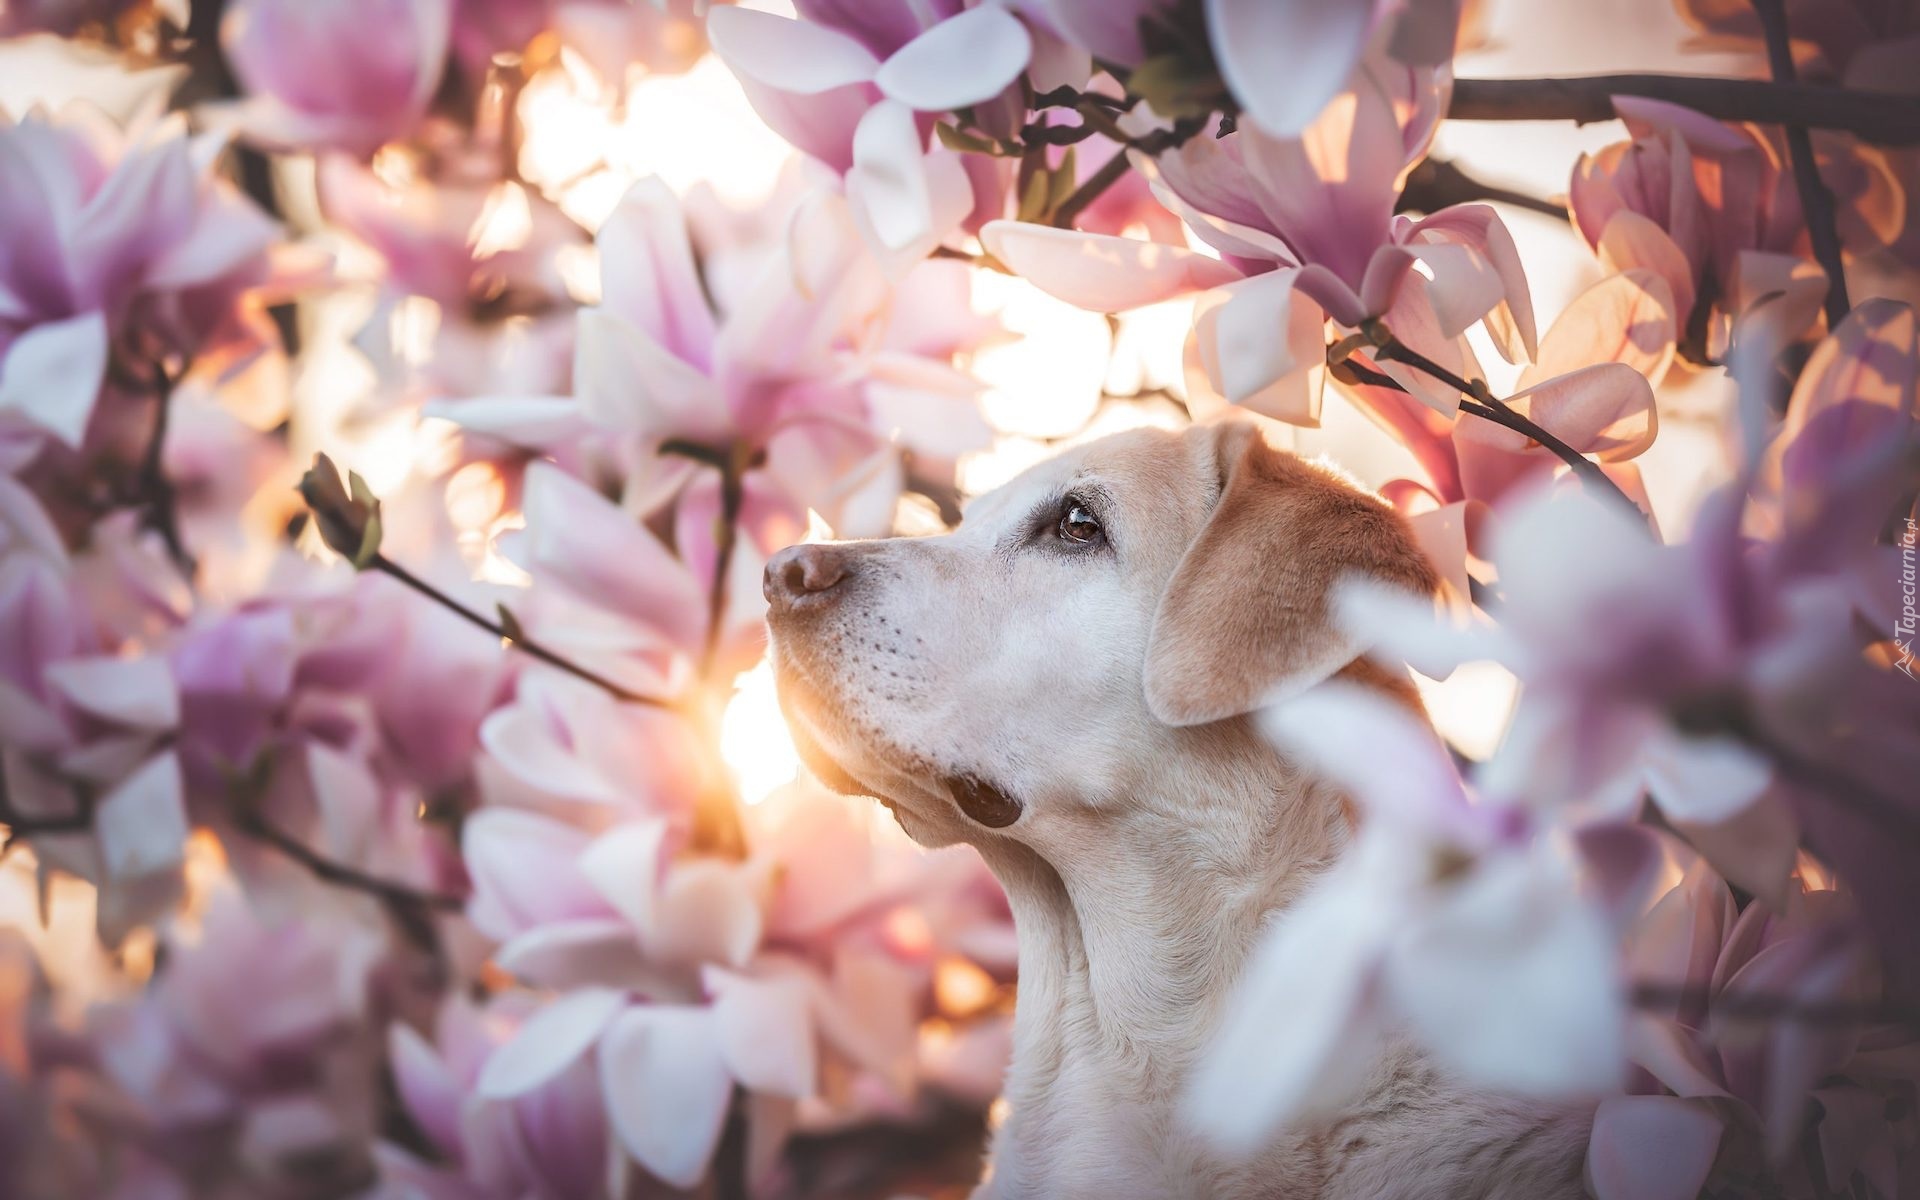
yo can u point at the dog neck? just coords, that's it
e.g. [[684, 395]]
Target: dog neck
[[1129, 950]]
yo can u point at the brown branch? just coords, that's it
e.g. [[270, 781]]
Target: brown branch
[[328, 870], [1884, 119], [508, 630], [1816, 200], [1435, 184], [1767, 1006], [158, 496], [1483, 404], [1090, 190]]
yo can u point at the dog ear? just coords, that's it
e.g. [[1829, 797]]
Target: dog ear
[[1245, 618]]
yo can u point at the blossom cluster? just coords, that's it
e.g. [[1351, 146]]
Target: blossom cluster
[[390, 833]]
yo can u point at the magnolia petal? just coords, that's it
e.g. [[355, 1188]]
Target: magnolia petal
[[624, 865], [802, 57], [1265, 333], [51, 375], [142, 824], [1285, 59], [1510, 322], [1625, 318], [1372, 748], [1464, 286], [1097, 271], [667, 1088], [965, 59], [647, 272], [524, 740], [128, 691], [766, 1031], [534, 421], [1632, 242], [1606, 410], [1651, 1148], [1284, 1049], [888, 181], [549, 1042], [627, 382], [1510, 978]]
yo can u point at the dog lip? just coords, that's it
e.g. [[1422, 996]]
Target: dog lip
[[983, 802]]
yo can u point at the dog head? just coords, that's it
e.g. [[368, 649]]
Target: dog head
[[1072, 640]]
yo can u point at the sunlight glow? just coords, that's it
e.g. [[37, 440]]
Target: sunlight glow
[[754, 740]]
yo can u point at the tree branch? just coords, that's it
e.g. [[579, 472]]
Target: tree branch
[[1435, 184], [1816, 200], [1884, 119], [508, 630], [1488, 407]]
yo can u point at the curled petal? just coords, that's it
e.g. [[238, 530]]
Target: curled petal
[[51, 375], [667, 1087], [1651, 1148], [549, 1042], [1261, 344], [766, 1031], [963, 60], [809, 83], [1099, 272], [1627, 318], [1631, 242], [1510, 320], [1285, 59]]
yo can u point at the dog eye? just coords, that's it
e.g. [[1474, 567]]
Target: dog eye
[[1077, 524]]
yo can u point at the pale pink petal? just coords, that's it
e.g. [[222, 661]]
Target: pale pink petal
[[810, 84], [647, 273], [1651, 1148], [587, 952], [888, 180], [625, 864], [549, 1042], [766, 1031], [667, 1088], [1631, 242], [1285, 59], [427, 1088], [523, 872], [1626, 318], [530, 421], [142, 823], [1373, 749], [1267, 333], [1606, 410], [129, 691], [526, 741], [963, 60], [627, 382], [1282, 1049], [51, 375], [1510, 978], [1098, 272], [1464, 286], [1511, 321]]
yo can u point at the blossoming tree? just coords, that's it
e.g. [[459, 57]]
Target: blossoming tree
[[404, 830]]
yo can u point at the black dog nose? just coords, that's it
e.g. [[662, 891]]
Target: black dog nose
[[799, 574]]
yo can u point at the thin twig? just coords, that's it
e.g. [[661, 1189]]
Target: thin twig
[[1488, 407], [1090, 190], [1767, 1006], [1873, 117], [1816, 199], [513, 635], [1435, 184], [161, 511], [726, 543], [340, 874]]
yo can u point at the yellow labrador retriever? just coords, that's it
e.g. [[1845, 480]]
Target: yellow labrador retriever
[[1063, 681]]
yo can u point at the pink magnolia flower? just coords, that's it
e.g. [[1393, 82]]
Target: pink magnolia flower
[[1856, 42], [1283, 61], [550, 1140], [120, 246], [1306, 231], [248, 1065], [1723, 678], [1445, 918], [851, 86], [1723, 1094], [349, 76], [801, 387], [681, 977], [1712, 209], [502, 319]]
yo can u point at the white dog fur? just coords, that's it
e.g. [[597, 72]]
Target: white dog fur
[[1102, 686]]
